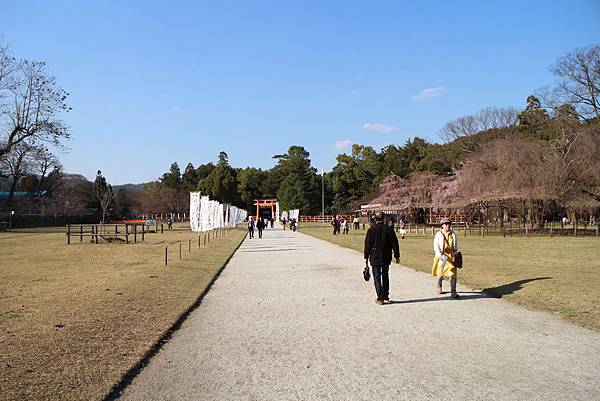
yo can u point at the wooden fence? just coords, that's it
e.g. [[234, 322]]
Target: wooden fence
[[323, 219], [109, 232]]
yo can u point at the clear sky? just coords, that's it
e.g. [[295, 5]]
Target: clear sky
[[154, 82]]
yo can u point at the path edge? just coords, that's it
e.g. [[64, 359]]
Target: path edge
[[128, 377]]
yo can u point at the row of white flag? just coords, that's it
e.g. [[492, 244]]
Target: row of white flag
[[291, 214], [206, 214]]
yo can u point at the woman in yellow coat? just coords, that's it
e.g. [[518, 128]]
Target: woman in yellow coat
[[445, 246]]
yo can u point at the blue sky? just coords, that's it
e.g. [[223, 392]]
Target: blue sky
[[154, 82]]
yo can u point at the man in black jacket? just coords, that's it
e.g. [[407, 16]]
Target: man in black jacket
[[380, 242], [251, 227], [260, 225]]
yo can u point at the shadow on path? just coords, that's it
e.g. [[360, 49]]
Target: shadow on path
[[473, 295], [273, 250], [506, 289]]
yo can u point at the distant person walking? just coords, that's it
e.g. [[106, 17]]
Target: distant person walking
[[283, 222], [346, 225], [260, 225], [169, 222], [251, 227], [336, 225], [445, 247], [402, 226], [356, 223], [380, 243]]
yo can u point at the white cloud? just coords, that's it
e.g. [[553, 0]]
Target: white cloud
[[343, 144], [379, 127], [430, 92]]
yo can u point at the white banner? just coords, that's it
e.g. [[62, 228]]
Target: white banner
[[195, 211], [206, 215]]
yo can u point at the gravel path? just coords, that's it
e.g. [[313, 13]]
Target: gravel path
[[290, 318]]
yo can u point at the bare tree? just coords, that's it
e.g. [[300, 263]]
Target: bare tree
[[15, 166], [104, 193], [578, 84], [47, 169], [465, 128], [30, 101]]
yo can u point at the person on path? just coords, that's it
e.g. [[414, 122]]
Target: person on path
[[169, 223], [445, 247], [380, 242], [283, 222], [260, 225], [346, 226], [251, 227]]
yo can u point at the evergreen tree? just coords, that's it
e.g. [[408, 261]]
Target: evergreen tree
[[534, 116], [250, 182], [189, 180], [300, 187], [221, 183], [172, 179]]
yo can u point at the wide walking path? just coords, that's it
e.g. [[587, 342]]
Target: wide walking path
[[290, 318]]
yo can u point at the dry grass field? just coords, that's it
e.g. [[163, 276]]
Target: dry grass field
[[560, 274], [75, 318]]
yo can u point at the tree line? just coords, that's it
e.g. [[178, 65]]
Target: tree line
[[549, 147]]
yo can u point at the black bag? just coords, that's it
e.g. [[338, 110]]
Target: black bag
[[366, 273], [458, 262]]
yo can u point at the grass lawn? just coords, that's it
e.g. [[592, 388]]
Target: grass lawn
[[75, 318], [560, 274]]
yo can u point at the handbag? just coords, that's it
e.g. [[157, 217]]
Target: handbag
[[458, 261], [366, 273]]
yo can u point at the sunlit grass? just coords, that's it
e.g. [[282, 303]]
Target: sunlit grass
[[74, 318]]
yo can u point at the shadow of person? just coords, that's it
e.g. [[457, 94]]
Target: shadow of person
[[472, 295], [506, 289]]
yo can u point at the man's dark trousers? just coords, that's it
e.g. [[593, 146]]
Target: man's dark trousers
[[260, 233], [251, 231], [381, 278]]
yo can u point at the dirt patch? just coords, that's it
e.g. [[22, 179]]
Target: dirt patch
[[75, 318]]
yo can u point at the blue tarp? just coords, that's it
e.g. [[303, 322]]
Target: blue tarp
[[18, 194]]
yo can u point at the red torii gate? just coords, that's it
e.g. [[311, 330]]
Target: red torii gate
[[259, 203]]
